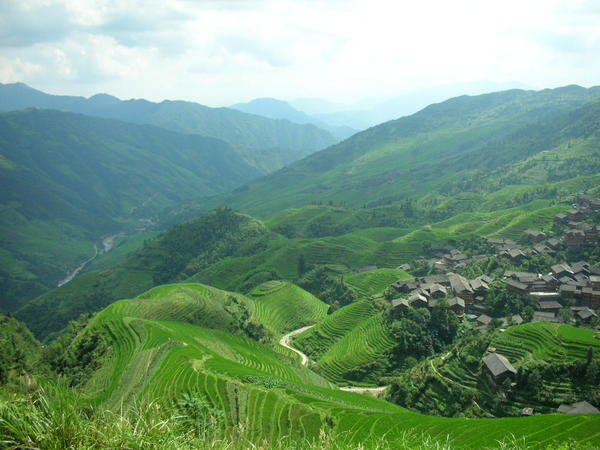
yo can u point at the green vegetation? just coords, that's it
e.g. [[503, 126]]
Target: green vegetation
[[196, 384], [374, 282], [263, 143], [546, 342], [19, 350], [76, 179], [283, 307], [556, 364]]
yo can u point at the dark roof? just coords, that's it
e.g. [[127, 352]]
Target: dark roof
[[549, 304], [498, 365], [516, 285], [399, 302], [456, 301], [517, 319], [585, 314], [578, 408], [484, 319], [543, 316], [459, 283]]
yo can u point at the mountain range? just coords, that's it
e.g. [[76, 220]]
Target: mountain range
[[264, 143]]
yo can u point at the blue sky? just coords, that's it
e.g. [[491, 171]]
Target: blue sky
[[226, 51]]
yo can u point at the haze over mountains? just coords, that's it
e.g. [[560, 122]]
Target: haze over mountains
[[278, 109], [264, 143]]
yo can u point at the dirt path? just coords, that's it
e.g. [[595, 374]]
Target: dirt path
[[375, 391], [285, 341]]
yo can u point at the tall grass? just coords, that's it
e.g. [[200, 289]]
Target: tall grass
[[56, 417]]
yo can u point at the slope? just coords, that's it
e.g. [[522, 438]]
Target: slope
[[282, 306], [153, 359], [453, 147], [68, 180], [172, 256], [265, 144]]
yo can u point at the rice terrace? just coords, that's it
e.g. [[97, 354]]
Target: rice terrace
[[299, 224]]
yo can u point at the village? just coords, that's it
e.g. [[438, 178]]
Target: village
[[569, 292]]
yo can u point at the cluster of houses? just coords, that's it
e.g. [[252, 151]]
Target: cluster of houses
[[498, 368], [577, 283]]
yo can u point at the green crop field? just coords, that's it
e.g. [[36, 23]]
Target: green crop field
[[374, 282], [545, 341], [250, 383], [283, 306]]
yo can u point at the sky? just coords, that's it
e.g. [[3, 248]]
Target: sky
[[220, 52]]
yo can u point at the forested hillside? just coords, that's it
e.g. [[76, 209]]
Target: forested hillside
[[263, 143], [67, 180], [451, 152]]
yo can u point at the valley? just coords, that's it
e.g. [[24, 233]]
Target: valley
[[431, 282]]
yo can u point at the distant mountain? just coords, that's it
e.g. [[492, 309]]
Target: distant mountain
[[364, 113], [68, 179], [263, 143], [466, 144], [278, 109]]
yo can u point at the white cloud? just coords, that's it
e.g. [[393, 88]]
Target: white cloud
[[221, 52]]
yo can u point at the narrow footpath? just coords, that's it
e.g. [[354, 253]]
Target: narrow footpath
[[287, 339]]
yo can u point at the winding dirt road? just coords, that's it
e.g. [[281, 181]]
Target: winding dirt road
[[287, 339]]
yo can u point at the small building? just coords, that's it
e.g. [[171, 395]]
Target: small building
[[515, 319], [535, 235], [568, 291], [549, 305], [525, 412], [561, 270], [418, 301], [484, 319], [405, 267], [400, 304], [578, 408], [498, 367], [544, 316], [461, 288], [553, 243], [585, 314], [405, 286], [517, 287], [594, 282], [457, 305], [561, 219]]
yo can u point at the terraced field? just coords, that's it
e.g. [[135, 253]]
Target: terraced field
[[350, 344], [376, 281], [316, 341], [546, 341], [359, 355], [283, 306], [250, 383]]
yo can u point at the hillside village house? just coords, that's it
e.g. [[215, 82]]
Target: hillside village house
[[498, 368]]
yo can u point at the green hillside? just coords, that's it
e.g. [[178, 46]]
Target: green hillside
[[282, 306], [545, 342], [466, 145], [69, 180], [249, 383], [247, 254], [172, 256], [374, 282], [553, 361], [263, 143]]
